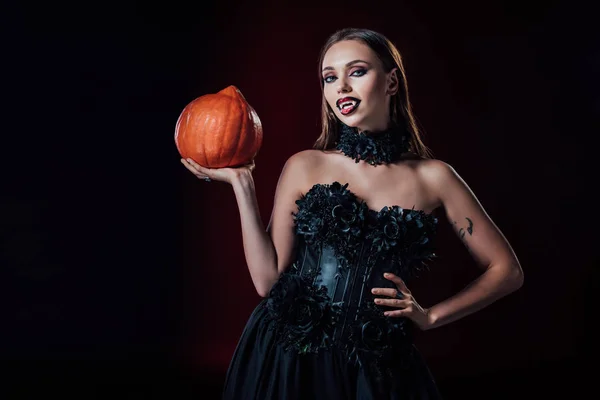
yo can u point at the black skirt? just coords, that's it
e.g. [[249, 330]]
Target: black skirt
[[261, 369]]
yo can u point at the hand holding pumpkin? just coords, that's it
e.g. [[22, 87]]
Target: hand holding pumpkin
[[228, 174]]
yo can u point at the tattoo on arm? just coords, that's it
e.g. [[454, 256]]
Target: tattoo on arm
[[461, 231], [470, 228]]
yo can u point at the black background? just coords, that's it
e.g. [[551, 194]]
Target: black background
[[124, 274]]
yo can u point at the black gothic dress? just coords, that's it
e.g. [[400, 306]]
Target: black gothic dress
[[319, 334]]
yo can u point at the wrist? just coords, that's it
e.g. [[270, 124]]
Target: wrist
[[242, 180], [431, 318]]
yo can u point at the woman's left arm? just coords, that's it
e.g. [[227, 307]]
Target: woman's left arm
[[486, 243]]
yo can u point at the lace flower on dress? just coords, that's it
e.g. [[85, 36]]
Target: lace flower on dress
[[304, 314], [379, 342], [332, 215], [405, 236]]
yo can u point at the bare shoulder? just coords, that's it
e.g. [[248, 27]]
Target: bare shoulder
[[305, 161], [441, 179], [302, 167], [438, 176], [306, 156], [435, 171]]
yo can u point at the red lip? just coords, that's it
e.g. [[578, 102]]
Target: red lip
[[340, 101]]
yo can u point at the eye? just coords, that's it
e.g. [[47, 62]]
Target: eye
[[359, 72], [329, 79]]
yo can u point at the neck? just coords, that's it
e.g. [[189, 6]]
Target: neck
[[370, 130], [373, 147]]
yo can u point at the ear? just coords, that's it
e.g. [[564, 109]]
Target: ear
[[393, 82]]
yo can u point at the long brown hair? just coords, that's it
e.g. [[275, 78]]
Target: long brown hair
[[400, 108]]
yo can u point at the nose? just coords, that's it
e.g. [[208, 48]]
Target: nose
[[343, 86]]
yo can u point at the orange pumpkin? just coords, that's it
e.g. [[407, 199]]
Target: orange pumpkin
[[219, 130]]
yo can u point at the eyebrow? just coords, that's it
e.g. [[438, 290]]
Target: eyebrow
[[348, 64]]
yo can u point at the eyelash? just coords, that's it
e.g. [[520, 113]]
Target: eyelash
[[362, 70]]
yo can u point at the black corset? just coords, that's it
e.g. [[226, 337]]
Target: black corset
[[324, 299]]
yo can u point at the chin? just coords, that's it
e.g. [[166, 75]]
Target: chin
[[351, 125], [361, 124], [351, 121]]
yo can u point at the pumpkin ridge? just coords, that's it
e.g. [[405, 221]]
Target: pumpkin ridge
[[244, 108], [228, 124], [203, 142], [232, 103]]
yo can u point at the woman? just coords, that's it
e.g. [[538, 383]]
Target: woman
[[352, 220]]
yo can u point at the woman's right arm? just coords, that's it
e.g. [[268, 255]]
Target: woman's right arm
[[269, 251]]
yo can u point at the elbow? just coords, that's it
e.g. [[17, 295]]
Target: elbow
[[264, 288], [264, 285], [516, 278], [262, 293], [509, 276]]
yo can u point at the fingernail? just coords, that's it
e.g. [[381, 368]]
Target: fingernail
[[387, 274], [373, 290]]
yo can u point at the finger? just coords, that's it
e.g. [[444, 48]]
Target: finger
[[250, 166], [397, 313], [398, 303], [398, 281], [189, 166], [192, 169], [390, 292], [197, 166]]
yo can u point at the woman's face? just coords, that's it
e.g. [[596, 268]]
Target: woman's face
[[356, 87]]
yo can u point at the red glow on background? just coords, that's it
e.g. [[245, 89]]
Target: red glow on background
[[271, 57]]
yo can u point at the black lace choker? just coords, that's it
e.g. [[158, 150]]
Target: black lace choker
[[372, 147]]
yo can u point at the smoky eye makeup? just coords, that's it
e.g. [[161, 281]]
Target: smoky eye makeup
[[361, 71], [356, 72]]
